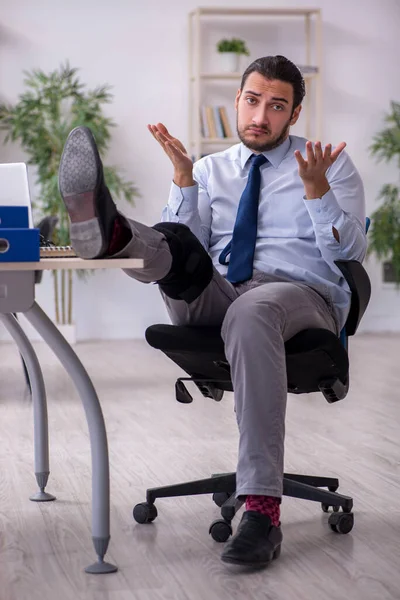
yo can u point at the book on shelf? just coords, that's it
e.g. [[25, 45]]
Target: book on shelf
[[218, 123], [225, 122], [212, 126], [205, 132], [214, 122]]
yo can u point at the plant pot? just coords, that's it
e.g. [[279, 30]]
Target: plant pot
[[68, 331], [229, 62]]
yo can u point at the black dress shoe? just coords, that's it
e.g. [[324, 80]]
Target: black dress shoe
[[256, 543], [91, 209]]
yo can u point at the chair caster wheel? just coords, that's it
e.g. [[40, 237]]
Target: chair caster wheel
[[220, 498], [326, 507], [144, 513], [341, 522], [220, 530]]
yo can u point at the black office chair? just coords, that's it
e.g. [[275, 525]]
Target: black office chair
[[316, 360]]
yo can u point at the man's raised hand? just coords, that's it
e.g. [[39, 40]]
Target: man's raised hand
[[175, 150]]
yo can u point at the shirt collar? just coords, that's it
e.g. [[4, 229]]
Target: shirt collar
[[274, 156]]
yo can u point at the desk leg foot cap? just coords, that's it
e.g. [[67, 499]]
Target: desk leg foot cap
[[42, 478], [100, 568], [42, 496]]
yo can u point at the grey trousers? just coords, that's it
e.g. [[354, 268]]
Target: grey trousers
[[257, 317]]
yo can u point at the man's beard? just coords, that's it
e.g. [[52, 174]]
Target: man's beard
[[260, 146]]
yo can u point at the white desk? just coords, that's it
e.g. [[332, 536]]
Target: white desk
[[52, 264], [17, 294]]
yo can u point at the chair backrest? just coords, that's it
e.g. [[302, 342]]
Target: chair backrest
[[360, 287]]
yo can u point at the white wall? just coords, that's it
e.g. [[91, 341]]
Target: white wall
[[141, 49]]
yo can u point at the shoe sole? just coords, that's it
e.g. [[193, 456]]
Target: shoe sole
[[79, 180], [242, 563]]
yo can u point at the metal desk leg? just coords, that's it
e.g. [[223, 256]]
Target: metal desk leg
[[41, 432], [97, 434]]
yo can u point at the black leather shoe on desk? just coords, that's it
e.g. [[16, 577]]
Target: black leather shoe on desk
[[256, 542], [91, 209]]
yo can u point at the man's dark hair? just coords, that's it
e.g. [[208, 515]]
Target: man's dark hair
[[278, 67]]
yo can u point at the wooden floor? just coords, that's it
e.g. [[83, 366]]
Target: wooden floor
[[155, 441]]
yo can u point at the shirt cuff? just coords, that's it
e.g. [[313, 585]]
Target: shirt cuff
[[184, 199], [324, 210]]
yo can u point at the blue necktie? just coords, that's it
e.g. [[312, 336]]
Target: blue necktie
[[243, 243]]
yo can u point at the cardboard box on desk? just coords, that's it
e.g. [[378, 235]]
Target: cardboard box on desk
[[18, 243]]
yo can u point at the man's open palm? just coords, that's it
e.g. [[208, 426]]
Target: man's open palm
[[172, 147], [317, 161]]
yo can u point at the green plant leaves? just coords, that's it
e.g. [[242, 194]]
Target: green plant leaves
[[233, 45], [386, 144], [52, 105], [384, 234]]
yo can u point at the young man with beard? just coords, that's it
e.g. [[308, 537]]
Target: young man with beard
[[247, 241]]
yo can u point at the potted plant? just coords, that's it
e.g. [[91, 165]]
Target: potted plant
[[384, 233], [230, 51], [53, 104]]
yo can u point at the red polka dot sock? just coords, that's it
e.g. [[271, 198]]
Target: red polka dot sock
[[120, 237], [266, 505]]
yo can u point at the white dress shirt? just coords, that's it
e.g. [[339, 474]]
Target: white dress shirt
[[295, 241]]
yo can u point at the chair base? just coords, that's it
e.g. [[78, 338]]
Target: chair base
[[223, 488]]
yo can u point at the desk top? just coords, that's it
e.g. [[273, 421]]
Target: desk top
[[51, 264]]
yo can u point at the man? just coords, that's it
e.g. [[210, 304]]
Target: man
[[262, 276]]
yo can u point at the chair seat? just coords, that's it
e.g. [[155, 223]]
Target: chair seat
[[312, 356]]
